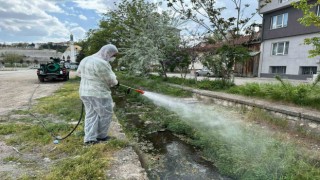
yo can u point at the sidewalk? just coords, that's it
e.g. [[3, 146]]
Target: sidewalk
[[242, 80], [125, 163]]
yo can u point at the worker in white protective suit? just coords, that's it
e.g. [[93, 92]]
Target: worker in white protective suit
[[96, 79]]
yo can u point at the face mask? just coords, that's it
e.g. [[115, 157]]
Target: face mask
[[112, 59]]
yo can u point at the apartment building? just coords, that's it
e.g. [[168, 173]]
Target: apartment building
[[283, 51]]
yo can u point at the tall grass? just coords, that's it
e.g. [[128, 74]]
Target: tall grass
[[152, 83], [302, 94], [307, 95]]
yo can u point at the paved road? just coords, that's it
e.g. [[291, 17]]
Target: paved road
[[242, 80], [17, 87]]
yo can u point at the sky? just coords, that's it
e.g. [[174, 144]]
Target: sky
[[40, 21]]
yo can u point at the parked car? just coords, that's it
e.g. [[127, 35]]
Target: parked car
[[72, 65], [204, 72], [35, 66]]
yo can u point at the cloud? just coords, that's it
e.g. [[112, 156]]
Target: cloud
[[22, 18], [78, 33], [100, 6], [83, 17]]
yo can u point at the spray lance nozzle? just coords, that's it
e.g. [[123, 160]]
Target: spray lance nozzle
[[139, 91], [130, 88]]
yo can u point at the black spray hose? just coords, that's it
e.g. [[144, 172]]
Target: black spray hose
[[57, 138]]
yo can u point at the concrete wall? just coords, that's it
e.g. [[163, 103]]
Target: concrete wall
[[296, 121], [298, 118], [297, 55], [32, 54]]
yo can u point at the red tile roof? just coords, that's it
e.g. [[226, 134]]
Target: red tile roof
[[248, 39]]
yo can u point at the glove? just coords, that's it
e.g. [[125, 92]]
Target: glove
[[128, 90]]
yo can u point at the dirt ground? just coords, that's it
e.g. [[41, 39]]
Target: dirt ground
[[18, 89]]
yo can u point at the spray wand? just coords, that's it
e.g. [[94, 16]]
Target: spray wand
[[129, 89]]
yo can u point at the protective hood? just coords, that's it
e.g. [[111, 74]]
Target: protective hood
[[106, 52]]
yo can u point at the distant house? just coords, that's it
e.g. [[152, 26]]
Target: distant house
[[66, 56], [282, 50], [248, 68], [71, 53]]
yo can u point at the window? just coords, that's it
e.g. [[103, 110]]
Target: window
[[308, 69], [280, 48], [278, 69], [282, 1], [279, 21]]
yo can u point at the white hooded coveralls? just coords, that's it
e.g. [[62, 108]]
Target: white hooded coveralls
[[96, 79]]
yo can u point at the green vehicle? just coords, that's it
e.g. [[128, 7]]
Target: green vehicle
[[53, 70]]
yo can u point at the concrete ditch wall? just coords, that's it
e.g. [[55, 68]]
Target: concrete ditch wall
[[304, 119]]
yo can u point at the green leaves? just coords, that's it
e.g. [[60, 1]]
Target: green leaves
[[223, 61], [310, 18], [201, 10], [11, 58]]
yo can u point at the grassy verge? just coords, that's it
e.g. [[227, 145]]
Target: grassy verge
[[69, 159], [151, 83], [248, 152], [305, 95], [302, 94]]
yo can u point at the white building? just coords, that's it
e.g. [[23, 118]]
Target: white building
[[70, 55]]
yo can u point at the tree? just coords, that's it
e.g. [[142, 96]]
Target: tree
[[142, 34], [21, 61], [218, 27], [210, 17], [11, 58], [117, 25], [178, 58], [150, 46], [310, 18], [82, 53], [144, 37], [223, 61], [189, 42]]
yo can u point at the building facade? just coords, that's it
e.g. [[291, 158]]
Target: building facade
[[70, 55], [283, 51], [248, 68]]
